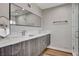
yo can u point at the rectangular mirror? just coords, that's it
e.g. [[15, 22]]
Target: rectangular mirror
[[20, 16]]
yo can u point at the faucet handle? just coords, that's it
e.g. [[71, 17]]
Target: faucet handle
[[23, 32]]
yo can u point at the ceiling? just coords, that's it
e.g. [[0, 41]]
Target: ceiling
[[48, 5]]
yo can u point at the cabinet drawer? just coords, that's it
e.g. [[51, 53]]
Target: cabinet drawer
[[6, 51]]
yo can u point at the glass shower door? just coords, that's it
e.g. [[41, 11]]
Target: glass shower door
[[75, 10]]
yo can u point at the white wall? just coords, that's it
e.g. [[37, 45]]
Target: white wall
[[61, 33], [4, 9]]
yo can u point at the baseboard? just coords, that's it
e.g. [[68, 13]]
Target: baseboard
[[65, 50]]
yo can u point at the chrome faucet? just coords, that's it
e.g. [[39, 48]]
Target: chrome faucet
[[23, 32]]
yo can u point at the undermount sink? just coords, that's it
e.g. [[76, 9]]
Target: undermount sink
[[29, 35]]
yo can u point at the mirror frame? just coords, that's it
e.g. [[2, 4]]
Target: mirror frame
[[26, 10]]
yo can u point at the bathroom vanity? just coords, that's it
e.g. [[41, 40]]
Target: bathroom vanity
[[24, 44], [30, 46]]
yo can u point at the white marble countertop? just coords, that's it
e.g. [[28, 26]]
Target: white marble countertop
[[13, 40]]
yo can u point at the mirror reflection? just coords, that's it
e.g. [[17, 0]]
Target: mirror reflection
[[20, 16]]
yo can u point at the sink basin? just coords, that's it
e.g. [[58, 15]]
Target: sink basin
[[20, 36], [30, 35]]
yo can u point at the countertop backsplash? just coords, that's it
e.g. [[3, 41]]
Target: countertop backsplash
[[17, 30]]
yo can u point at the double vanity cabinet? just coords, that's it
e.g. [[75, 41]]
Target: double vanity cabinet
[[22, 14], [32, 47]]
